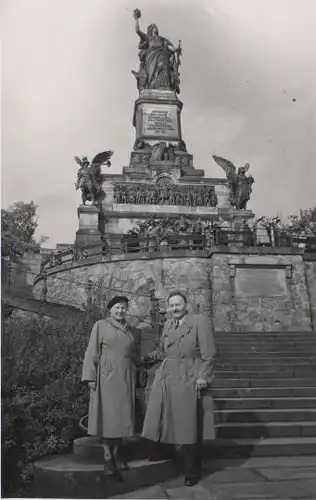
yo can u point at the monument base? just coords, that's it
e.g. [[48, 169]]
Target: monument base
[[88, 236]]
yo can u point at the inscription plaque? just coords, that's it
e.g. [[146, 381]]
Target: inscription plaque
[[260, 282], [160, 121]]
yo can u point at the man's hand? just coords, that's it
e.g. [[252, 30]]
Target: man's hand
[[200, 384], [92, 385]]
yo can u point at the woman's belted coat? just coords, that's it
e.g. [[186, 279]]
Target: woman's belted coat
[[109, 361], [188, 353]]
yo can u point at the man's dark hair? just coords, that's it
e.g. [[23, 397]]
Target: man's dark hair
[[178, 292]]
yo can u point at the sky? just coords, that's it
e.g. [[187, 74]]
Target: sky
[[248, 84]]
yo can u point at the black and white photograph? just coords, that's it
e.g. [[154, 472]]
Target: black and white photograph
[[158, 236]]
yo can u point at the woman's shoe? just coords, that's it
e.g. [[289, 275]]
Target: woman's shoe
[[107, 461], [190, 481], [122, 465], [119, 461]]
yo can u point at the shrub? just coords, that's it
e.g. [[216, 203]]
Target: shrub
[[42, 397]]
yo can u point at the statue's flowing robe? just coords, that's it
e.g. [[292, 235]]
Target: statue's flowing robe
[[110, 362], [84, 178], [157, 63], [243, 190]]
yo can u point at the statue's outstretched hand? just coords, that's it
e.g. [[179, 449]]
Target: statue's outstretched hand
[[136, 14]]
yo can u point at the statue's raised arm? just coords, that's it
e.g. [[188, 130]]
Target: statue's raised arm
[[137, 15]]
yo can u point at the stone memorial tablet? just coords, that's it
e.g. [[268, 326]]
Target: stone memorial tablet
[[160, 122], [260, 282]]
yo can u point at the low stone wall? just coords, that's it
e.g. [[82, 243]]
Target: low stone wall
[[260, 290]]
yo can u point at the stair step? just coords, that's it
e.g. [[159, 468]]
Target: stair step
[[262, 403], [265, 344], [263, 392], [265, 415], [258, 357], [268, 364], [263, 358], [281, 373], [268, 351], [265, 334], [66, 476], [90, 448], [266, 429], [269, 447], [276, 382]]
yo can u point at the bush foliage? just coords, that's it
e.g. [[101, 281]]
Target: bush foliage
[[42, 396]]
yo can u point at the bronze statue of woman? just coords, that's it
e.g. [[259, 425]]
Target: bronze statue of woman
[[159, 59]]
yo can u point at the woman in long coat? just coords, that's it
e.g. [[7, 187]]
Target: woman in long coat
[[109, 368], [187, 351]]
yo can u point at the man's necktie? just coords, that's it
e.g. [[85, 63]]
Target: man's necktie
[[177, 323]]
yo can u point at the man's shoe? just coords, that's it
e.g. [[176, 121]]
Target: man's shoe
[[118, 476], [122, 465]]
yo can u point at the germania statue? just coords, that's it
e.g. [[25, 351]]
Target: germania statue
[[159, 60]]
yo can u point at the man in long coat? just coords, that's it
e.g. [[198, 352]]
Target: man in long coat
[[187, 351]]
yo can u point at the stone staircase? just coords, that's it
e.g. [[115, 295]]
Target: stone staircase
[[265, 394], [265, 405]]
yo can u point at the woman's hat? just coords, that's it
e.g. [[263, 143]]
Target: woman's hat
[[116, 300]]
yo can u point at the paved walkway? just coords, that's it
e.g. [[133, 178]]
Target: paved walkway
[[266, 478]]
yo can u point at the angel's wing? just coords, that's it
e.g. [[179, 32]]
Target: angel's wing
[[246, 167], [77, 160], [227, 165], [101, 158]]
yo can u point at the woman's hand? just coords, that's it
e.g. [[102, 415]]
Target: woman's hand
[[136, 14], [200, 384], [92, 385]]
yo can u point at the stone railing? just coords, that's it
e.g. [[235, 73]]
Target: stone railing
[[132, 244]]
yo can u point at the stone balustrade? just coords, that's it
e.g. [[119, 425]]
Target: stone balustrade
[[130, 244]]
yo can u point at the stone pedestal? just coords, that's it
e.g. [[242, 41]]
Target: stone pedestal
[[88, 236], [157, 116], [161, 179]]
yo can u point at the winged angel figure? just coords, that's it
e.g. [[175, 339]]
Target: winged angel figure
[[240, 185], [89, 176]]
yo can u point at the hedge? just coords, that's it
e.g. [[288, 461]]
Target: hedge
[[42, 397]]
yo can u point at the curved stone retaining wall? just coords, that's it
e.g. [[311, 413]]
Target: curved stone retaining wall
[[134, 277], [260, 290]]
